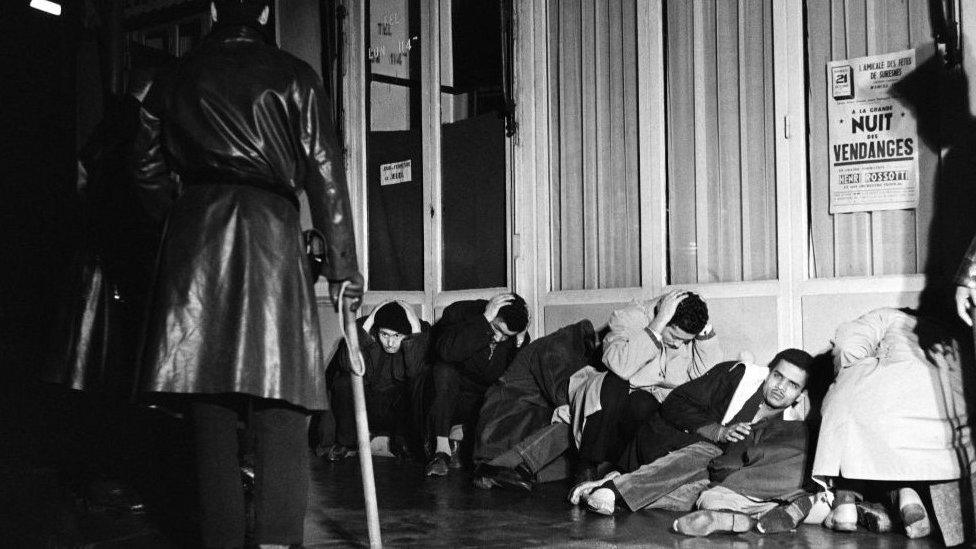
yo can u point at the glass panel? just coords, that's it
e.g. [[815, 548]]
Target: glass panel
[[473, 164], [720, 141], [595, 185], [394, 184]]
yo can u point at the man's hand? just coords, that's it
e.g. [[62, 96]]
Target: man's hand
[[734, 432], [495, 304], [412, 317], [965, 301], [665, 309], [353, 294]]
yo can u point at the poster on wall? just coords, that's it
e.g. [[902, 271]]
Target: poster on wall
[[389, 39], [872, 140]]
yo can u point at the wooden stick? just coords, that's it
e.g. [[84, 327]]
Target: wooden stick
[[351, 333]]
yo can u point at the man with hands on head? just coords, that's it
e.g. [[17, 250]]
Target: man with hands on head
[[393, 341], [652, 347], [473, 344]]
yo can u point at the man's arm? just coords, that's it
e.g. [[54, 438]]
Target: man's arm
[[461, 332], [328, 196], [859, 339], [693, 406], [155, 185], [630, 345], [415, 350], [966, 284]]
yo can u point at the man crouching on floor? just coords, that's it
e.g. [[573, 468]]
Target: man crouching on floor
[[738, 443]]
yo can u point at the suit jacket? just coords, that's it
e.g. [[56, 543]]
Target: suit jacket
[[464, 338]]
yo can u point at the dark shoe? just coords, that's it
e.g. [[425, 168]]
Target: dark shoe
[[338, 452], [703, 523], [437, 466], [399, 448], [786, 517], [874, 517], [512, 479]]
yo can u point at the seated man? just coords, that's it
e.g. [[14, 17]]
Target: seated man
[[474, 342], [652, 348], [393, 341], [894, 417], [738, 427]]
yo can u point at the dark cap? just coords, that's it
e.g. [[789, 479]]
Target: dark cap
[[392, 317]]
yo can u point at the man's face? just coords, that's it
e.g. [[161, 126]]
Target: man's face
[[784, 384], [501, 329], [675, 337], [391, 340]]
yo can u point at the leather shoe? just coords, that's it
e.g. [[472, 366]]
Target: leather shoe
[[703, 523], [437, 466], [512, 479]]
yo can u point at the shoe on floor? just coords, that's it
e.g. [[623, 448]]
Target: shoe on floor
[[874, 517], [582, 490], [785, 517], [437, 466], [916, 521], [338, 452], [512, 479], [842, 518], [704, 523], [602, 501]]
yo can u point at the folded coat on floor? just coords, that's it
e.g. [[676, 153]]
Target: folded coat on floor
[[534, 385]]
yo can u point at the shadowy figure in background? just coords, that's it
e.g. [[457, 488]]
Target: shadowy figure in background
[[939, 95]]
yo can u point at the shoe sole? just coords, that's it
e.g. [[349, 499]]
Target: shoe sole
[[876, 521]]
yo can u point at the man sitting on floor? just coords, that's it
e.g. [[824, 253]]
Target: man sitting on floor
[[738, 429], [651, 348], [474, 342], [393, 341]]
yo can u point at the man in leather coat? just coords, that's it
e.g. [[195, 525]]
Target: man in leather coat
[[245, 127]]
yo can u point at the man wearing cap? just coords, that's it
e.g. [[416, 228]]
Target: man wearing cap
[[393, 341], [474, 342]]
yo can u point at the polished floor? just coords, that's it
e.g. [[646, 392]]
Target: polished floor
[[72, 467], [449, 512]]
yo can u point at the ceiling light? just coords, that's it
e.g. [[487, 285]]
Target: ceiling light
[[46, 5]]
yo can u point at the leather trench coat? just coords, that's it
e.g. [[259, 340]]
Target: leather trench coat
[[245, 127]]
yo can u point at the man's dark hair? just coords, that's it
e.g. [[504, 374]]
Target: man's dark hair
[[239, 12], [691, 315], [515, 314], [797, 357]]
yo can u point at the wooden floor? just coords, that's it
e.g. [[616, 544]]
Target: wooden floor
[[450, 512]]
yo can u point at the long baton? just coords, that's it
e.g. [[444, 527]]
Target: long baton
[[351, 333]]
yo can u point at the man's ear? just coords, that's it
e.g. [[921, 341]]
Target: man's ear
[[265, 15], [213, 12]]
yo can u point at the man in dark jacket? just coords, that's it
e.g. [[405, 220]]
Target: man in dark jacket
[[234, 320], [474, 342], [393, 341], [730, 413]]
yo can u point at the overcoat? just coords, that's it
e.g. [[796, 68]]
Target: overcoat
[[246, 127], [891, 413]]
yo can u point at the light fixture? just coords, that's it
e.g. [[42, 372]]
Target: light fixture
[[47, 6]]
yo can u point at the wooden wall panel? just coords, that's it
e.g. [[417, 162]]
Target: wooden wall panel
[[819, 51], [681, 142], [570, 145], [591, 112], [727, 216], [920, 33], [628, 198], [594, 194], [555, 133], [707, 197], [721, 141]]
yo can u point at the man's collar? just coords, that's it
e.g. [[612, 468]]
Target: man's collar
[[237, 32]]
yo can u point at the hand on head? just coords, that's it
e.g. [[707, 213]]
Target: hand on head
[[495, 304], [965, 301]]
